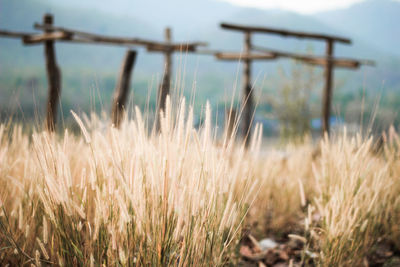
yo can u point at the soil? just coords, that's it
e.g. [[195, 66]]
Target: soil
[[291, 252]]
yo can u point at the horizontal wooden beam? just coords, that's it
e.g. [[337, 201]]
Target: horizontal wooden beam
[[90, 37], [241, 56], [208, 52], [13, 34], [343, 63], [50, 36], [86, 37], [317, 60], [285, 33], [174, 48]]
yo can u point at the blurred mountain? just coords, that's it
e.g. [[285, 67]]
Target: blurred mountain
[[375, 21], [22, 14], [183, 15], [372, 21], [374, 34], [371, 25]]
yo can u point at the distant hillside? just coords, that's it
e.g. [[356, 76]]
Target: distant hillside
[[372, 21], [183, 15], [20, 16], [375, 21], [89, 66], [191, 20], [283, 20]]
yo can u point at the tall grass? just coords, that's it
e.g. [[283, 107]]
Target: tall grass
[[357, 197], [133, 198], [122, 197]]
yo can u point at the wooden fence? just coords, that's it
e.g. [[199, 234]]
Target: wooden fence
[[52, 34], [327, 61]]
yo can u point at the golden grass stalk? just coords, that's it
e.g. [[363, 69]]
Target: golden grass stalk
[[180, 198], [122, 196]]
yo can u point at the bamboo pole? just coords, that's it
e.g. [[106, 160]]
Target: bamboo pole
[[327, 95], [247, 98], [164, 88], [122, 88], [53, 78]]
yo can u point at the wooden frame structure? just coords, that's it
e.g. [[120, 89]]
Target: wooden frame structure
[[53, 76], [52, 34], [247, 57], [122, 88], [165, 85], [327, 61]]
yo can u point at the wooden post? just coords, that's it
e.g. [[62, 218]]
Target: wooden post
[[230, 122], [53, 78], [166, 82], [247, 98], [327, 95], [122, 88]]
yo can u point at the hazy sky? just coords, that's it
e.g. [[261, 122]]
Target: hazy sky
[[302, 6]]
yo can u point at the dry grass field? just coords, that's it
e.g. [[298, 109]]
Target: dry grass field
[[126, 197]]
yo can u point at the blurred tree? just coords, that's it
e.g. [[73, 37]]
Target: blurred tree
[[292, 104]]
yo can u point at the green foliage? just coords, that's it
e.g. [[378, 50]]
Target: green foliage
[[292, 106]]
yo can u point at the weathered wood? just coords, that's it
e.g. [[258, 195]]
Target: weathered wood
[[164, 88], [209, 52], [247, 97], [91, 37], [283, 32], [53, 78], [13, 34], [86, 37], [327, 94], [329, 62], [230, 122], [342, 63], [172, 48], [243, 56], [51, 36], [316, 60], [122, 88]]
